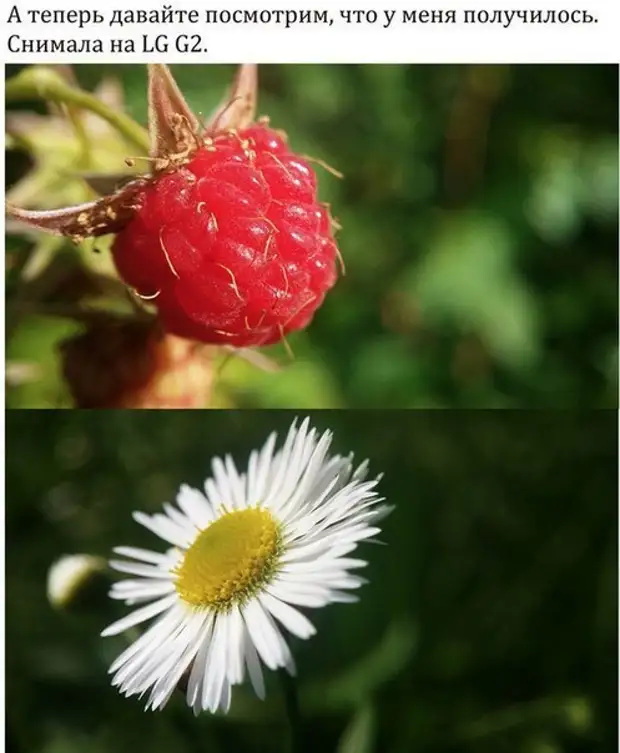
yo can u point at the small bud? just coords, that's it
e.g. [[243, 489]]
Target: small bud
[[69, 575], [116, 363]]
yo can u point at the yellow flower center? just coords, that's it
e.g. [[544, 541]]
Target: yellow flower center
[[230, 560]]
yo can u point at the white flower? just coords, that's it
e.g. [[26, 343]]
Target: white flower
[[244, 552], [67, 575]]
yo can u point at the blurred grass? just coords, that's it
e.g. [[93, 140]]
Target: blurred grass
[[480, 234], [489, 624]]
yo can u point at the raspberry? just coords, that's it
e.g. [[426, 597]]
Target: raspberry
[[231, 247]]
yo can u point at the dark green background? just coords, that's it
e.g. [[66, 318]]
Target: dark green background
[[480, 234], [489, 625]]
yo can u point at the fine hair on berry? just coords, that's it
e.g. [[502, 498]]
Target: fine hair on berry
[[231, 245]]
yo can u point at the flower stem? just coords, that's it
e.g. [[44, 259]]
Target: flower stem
[[291, 700], [542, 711], [41, 83]]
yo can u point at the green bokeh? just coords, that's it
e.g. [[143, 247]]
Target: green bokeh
[[480, 235], [489, 623]]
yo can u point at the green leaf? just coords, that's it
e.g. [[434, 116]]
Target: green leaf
[[359, 681], [469, 279]]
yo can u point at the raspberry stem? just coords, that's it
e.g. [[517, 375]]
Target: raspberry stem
[[39, 83]]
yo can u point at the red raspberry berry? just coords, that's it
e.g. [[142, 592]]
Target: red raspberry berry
[[233, 246]]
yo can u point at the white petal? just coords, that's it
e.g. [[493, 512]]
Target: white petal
[[308, 599], [343, 598], [323, 563], [279, 465], [222, 482], [304, 552], [301, 520], [176, 516], [334, 579], [215, 668], [288, 466], [293, 620], [215, 497], [301, 452], [144, 555], [197, 674], [296, 497], [135, 568], [234, 648], [147, 667], [252, 661], [140, 615], [236, 484], [195, 506], [264, 634], [226, 697], [336, 469], [153, 636], [135, 589], [163, 527], [165, 686], [382, 511], [258, 471]]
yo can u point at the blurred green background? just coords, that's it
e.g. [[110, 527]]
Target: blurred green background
[[480, 234], [489, 624]]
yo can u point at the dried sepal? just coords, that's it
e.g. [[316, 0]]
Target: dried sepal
[[238, 109], [174, 134], [173, 127], [92, 219], [55, 221]]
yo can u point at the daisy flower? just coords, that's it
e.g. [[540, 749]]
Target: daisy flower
[[246, 554]]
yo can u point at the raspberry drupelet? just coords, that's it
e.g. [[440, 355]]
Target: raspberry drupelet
[[232, 247]]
